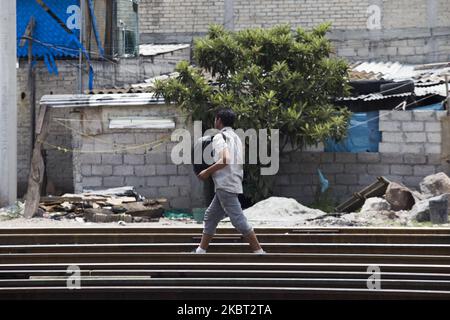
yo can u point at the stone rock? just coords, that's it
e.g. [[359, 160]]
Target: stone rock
[[375, 204], [399, 197], [421, 210], [435, 185]]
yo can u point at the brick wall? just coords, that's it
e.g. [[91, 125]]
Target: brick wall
[[410, 150], [413, 31], [107, 75]]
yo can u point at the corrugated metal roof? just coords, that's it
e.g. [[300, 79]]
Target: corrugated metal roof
[[429, 78], [142, 87], [362, 75], [437, 89], [387, 70], [97, 100], [149, 50]]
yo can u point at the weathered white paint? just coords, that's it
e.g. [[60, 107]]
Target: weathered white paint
[[8, 104], [141, 123]]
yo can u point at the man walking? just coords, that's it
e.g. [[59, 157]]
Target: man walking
[[227, 173]]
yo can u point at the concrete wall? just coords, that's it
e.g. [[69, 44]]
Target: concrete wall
[[162, 21], [59, 164], [154, 175], [349, 173], [100, 163], [409, 152], [415, 31], [411, 132]]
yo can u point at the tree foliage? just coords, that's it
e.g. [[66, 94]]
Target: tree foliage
[[272, 78]]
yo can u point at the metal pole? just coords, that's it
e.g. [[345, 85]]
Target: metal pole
[[80, 53], [8, 104]]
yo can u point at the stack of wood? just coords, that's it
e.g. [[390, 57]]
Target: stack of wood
[[111, 205]]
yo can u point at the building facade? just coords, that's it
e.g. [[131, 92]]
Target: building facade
[[414, 31]]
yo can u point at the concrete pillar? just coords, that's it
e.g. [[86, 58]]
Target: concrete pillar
[[432, 20], [229, 15], [8, 104], [375, 34]]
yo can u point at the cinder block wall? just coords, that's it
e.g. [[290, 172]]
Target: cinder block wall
[[409, 152], [414, 31], [411, 132], [107, 75], [100, 163], [349, 173]]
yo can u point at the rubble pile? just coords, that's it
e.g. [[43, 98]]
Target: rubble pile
[[12, 212], [408, 206], [111, 205]]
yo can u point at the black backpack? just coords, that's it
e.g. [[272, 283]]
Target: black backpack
[[200, 146]]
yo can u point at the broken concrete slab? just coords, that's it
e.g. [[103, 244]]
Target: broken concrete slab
[[138, 209], [102, 205], [128, 191], [421, 210], [399, 197], [105, 216], [435, 185], [376, 205]]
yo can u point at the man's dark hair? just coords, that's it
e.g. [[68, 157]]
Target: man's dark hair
[[227, 116]]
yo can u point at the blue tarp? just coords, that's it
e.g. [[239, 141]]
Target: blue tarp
[[47, 29], [53, 39], [363, 134]]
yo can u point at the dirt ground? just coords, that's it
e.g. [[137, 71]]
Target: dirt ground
[[272, 212], [348, 221]]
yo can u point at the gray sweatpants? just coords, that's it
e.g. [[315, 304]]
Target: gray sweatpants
[[225, 204]]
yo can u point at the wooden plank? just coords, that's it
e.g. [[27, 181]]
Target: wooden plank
[[215, 293], [187, 257], [59, 200], [98, 237], [37, 170], [413, 232], [233, 247], [219, 273], [28, 32], [120, 191], [393, 284], [41, 118]]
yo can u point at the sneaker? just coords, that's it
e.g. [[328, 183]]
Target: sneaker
[[196, 252], [260, 252]]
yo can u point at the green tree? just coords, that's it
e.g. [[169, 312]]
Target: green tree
[[272, 78]]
